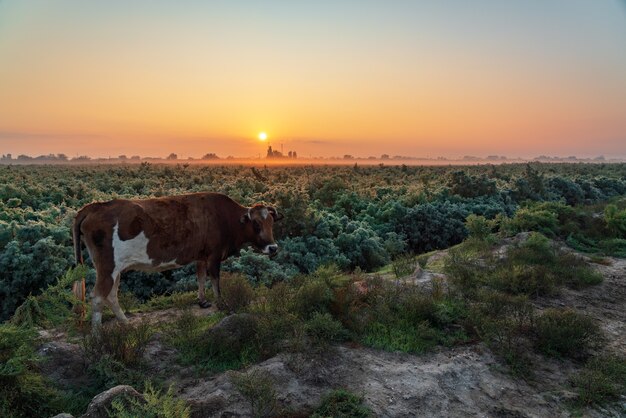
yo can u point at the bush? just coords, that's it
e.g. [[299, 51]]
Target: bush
[[178, 300], [185, 334], [342, 404], [533, 219], [124, 343], [314, 295], [322, 330], [505, 323], [566, 333], [401, 336], [236, 292], [154, 405], [603, 379], [615, 221], [231, 344], [404, 265], [53, 306], [23, 392], [258, 389], [478, 227]]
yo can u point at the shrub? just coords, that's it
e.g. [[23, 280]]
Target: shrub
[[602, 379], [258, 389], [178, 300], [23, 392], [153, 405], [574, 271], [615, 221], [124, 343], [53, 306], [236, 292], [314, 295], [185, 334], [401, 335], [404, 265], [517, 279], [478, 227], [505, 323], [566, 333], [341, 403], [533, 219], [322, 330], [229, 345]]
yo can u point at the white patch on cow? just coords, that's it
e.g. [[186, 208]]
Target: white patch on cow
[[264, 213], [133, 253], [270, 249]]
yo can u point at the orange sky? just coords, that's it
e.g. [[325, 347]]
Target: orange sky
[[357, 77]]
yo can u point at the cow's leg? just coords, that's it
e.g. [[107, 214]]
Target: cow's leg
[[113, 302], [201, 271], [214, 272], [102, 289]]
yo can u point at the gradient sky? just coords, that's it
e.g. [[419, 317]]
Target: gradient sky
[[516, 78]]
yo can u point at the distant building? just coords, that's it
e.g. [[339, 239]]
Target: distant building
[[271, 153]]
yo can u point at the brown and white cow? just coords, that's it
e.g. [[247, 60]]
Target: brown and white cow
[[166, 233]]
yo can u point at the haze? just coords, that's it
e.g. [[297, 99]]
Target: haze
[[324, 78]]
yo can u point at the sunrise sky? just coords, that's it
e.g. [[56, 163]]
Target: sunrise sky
[[515, 78]]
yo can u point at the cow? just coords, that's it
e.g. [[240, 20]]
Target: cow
[[166, 233]]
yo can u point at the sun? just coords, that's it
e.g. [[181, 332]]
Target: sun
[[262, 136]]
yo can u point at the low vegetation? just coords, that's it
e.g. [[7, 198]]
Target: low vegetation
[[322, 289]]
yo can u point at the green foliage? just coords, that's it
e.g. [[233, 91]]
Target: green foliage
[[177, 300], [334, 215], [313, 296], [602, 379], [186, 332], [341, 403], [258, 390], [478, 227], [322, 330], [402, 336], [566, 333], [466, 185], [236, 292], [615, 221], [23, 392], [533, 219], [228, 348], [404, 265], [125, 343], [505, 323], [53, 306], [153, 405]]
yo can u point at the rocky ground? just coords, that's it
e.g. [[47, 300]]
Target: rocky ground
[[460, 381]]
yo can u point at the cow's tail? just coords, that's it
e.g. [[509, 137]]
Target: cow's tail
[[78, 220]]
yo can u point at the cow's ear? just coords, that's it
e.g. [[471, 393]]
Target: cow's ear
[[245, 217], [277, 216]]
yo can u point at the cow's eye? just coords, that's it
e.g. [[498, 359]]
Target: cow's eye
[[257, 226]]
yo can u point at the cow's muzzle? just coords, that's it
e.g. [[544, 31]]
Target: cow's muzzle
[[270, 250]]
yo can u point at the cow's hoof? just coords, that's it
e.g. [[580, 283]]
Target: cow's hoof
[[204, 304]]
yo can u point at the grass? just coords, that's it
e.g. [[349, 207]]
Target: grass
[[566, 333], [341, 403], [603, 379], [258, 389], [178, 300]]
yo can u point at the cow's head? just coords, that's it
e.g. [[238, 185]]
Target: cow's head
[[261, 219]]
